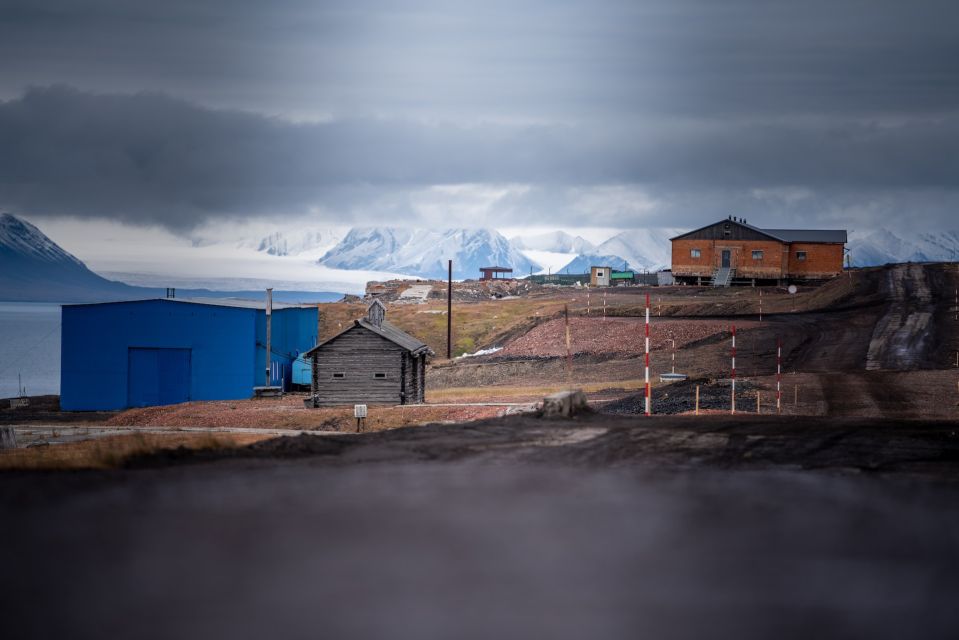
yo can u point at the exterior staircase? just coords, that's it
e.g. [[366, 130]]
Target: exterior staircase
[[723, 277]]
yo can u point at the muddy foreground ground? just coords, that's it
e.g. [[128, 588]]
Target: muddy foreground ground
[[517, 527]]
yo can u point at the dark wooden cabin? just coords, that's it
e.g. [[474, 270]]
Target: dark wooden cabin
[[372, 362]]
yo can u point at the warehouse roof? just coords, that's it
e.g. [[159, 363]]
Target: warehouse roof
[[236, 303]]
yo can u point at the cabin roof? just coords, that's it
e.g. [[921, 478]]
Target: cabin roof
[[387, 330]]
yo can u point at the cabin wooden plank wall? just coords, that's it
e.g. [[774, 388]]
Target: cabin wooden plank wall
[[361, 367], [347, 367]]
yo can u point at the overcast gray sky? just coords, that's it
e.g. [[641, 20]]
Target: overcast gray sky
[[613, 114]]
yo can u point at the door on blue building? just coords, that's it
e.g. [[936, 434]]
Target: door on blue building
[[158, 376]]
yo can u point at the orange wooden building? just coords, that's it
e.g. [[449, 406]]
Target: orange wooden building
[[733, 251]]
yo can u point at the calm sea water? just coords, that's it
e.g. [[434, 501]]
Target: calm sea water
[[29, 344]]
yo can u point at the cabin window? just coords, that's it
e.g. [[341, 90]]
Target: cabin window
[[801, 256], [758, 255], [726, 230], [339, 376], [694, 253], [379, 376]]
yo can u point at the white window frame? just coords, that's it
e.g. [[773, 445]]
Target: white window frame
[[695, 253], [800, 256], [758, 254]]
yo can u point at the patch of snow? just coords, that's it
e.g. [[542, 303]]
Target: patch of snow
[[481, 352]]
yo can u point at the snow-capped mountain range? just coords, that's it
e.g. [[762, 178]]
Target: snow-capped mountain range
[[881, 246], [424, 252], [286, 244], [553, 242]]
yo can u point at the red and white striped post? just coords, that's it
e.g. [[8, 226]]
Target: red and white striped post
[[733, 404], [647, 356], [760, 305], [779, 375]]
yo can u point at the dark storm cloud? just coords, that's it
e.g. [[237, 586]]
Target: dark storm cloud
[[148, 158], [825, 108], [539, 60]]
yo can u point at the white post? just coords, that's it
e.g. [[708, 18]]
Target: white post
[[604, 305], [647, 355], [779, 374], [674, 354], [760, 305]]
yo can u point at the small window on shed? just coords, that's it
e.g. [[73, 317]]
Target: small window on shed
[[801, 256], [758, 254], [339, 376], [695, 253], [599, 274], [379, 376]]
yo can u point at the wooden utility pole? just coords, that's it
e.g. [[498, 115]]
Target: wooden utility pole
[[269, 326], [449, 313]]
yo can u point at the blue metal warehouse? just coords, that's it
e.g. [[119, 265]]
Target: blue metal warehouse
[[151, 352]]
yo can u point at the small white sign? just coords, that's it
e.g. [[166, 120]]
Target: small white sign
[[359, 410], [18, 403]]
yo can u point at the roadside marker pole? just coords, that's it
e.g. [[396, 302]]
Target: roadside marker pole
[[587, 301], [569, 353], [647, 355], [697, 399], [674, 354], [733, 404], [779, 375], [760, 305], [604, 305], [757, 402]]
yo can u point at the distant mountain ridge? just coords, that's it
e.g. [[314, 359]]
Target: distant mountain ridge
[[424, 252], [282, 244], [33, 268], [555, 242]]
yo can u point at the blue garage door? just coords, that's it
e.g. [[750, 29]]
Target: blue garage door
[[158, 376]]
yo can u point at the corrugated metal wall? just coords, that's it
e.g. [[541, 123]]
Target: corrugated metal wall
[[103, 342]]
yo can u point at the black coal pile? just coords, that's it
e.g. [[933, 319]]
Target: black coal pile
[[680, 397]]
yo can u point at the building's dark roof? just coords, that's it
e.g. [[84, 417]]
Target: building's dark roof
[[510, 269], [235, 303], [389, 331], [809, 235], [783, 235]]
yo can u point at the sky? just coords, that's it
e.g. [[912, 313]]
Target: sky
[[207, 117]]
